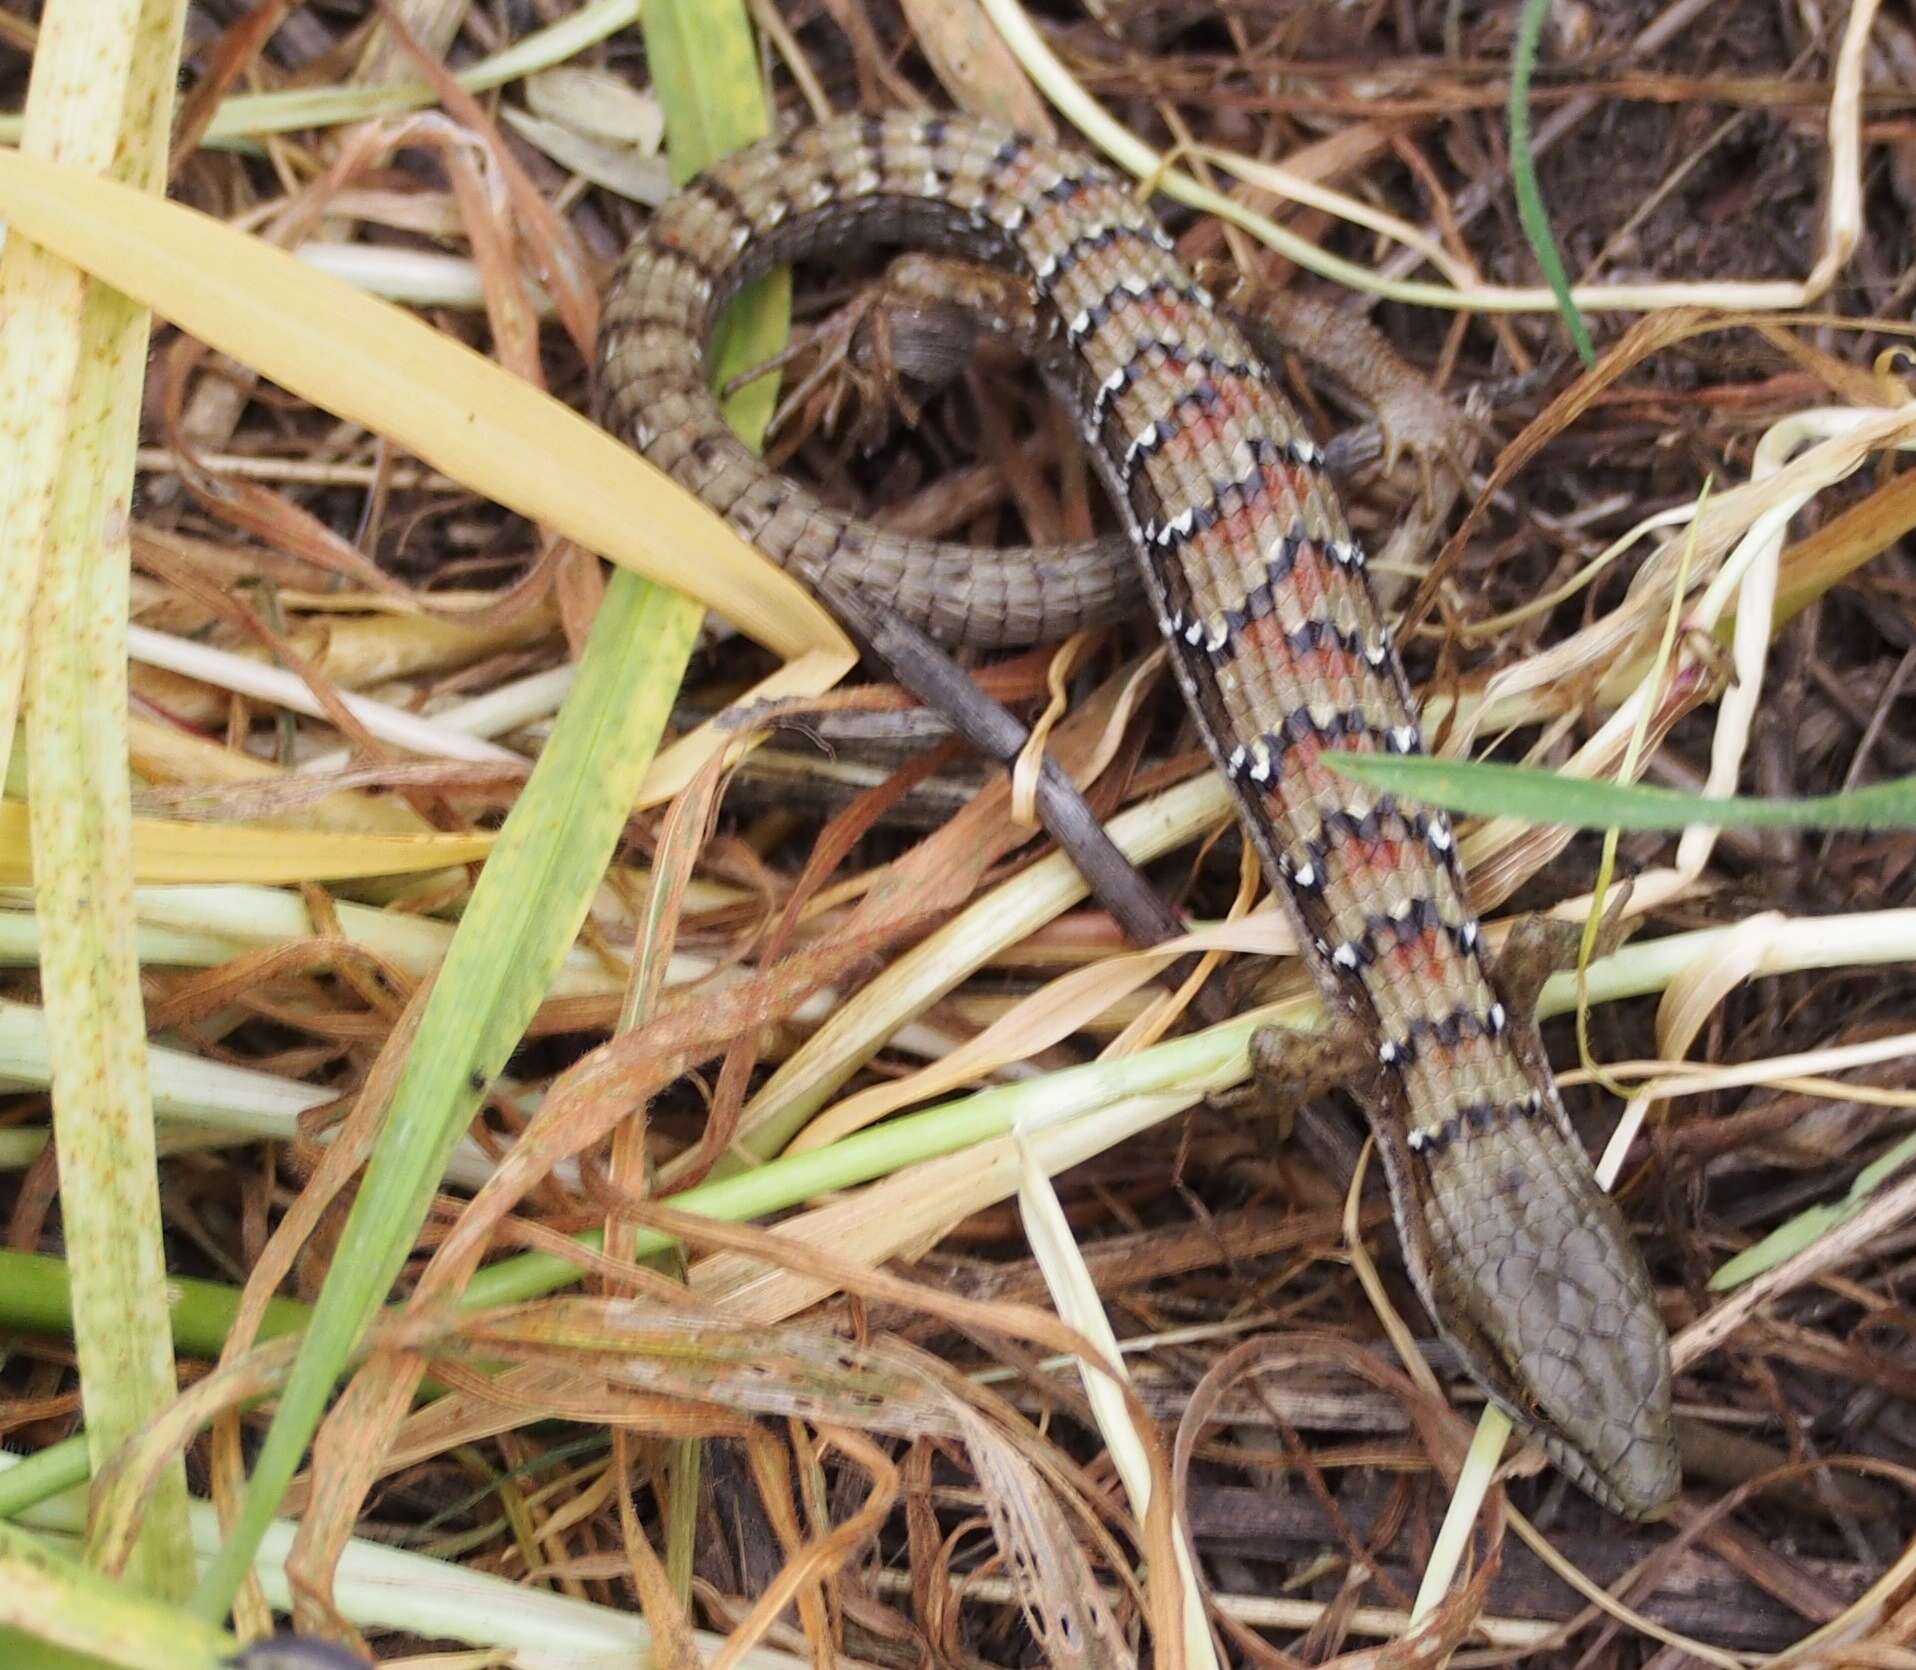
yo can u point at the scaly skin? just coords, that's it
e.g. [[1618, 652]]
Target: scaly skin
[[1261, 593]]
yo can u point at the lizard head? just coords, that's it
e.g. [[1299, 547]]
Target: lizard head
[[1530, 1272]]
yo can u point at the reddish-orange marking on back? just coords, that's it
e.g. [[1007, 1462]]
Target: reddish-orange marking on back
[[1190, 436], [1237, 526], [1419, 955], [1436, 1057], [1237, 393], [1383, 855], [1298, 479], [1261, 636], [1280, 481], [1332, 663], [1308, 577]]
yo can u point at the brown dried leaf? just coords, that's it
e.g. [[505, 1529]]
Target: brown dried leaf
[[1062, 1601]]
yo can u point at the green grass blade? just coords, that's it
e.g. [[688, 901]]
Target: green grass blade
[[1485, 789], [1809, 1227], [526, 909], [531, 898], [62, 1608], [1523, 172], [705, 70]]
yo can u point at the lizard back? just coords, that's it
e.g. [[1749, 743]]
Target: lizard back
[[1260, 590]]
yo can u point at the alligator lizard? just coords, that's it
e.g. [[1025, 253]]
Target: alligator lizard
[[1261, 592]]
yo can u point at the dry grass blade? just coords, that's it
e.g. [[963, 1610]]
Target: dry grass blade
[[1076, 1297], [1065, 1006], [165, 853], [786, 1372], [1070, 1621], [72, 355]]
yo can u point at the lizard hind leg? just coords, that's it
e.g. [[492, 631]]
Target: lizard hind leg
[[1292, 1067], [1539, 946]]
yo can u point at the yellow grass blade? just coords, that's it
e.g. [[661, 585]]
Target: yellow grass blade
[[376, 365], [167, 852]]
